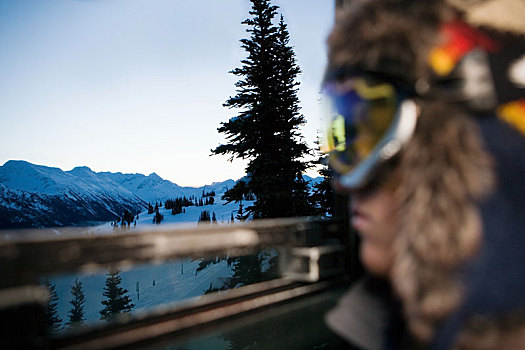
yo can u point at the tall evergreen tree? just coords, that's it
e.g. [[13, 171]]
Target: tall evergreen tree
[[265, 131], [117, 300], [76, 314], [54, 321]]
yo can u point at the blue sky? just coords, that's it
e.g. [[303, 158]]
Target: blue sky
[[137, 86]]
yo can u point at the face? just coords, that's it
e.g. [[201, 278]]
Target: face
[[373, 216], [362, 113]]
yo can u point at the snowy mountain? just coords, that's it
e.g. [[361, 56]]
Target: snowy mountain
[[37, 196], [153, 188], [40, 196]]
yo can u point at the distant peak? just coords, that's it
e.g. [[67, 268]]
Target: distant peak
[[22, 165], [155, 176], [16, 162], [81, 168], [220, 182]]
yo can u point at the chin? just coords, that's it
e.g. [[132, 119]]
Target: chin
[[375, 260]]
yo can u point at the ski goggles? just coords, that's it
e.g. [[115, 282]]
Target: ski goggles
[[367, 123]]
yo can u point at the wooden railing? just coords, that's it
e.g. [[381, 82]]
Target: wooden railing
[[313, 253]]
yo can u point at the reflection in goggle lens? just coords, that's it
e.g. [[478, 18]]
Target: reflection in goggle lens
[[359, 114]]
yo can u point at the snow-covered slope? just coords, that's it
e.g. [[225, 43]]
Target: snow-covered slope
[[148, 286], [151, 286], [223, 212]]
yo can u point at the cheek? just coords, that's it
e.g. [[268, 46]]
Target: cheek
[[376, 258]]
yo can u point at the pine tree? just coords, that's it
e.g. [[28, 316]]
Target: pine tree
[[205, 217], [323, 197], [266, 129], [158, 217], [54, 321], [127, 217], [241, 215], [237, 193], [117, 301], [76, 314]]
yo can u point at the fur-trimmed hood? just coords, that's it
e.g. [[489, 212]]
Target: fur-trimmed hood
[[495, 279], [461, 246]]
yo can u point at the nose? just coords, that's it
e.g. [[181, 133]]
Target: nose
[[356, 202], [362, 194]]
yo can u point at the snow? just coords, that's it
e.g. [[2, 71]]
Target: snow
[[175, 281], [83, 183], [169, 283], [27, 177], [86, 190], [190, 218], [149, 286], [153, 188], [24, 176]]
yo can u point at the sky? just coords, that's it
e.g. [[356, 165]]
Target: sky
[[137, 86]]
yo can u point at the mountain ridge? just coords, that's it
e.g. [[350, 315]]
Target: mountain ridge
[[40, 196], [34, 195]]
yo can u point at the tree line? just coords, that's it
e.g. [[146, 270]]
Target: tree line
[[178, 205], [116, 302]]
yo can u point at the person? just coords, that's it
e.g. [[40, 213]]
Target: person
[[426, 129]]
